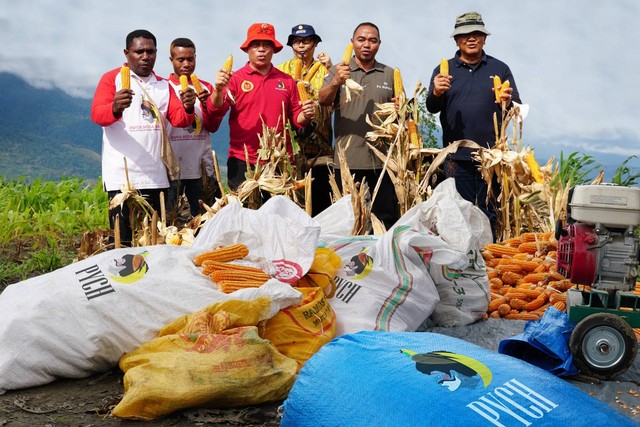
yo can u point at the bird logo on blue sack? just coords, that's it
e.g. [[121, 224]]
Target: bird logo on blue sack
[[130, 268], [451, 370]]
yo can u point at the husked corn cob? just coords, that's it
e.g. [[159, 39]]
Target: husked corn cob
[[398, 87], [531, 247], [536, 303], [554, 297], [184, 82], [196, 83], [413, 134], [522, 316], [524, 265], [346, 57], [125, 76], [500, 250], [312, 71], [444, 67], [536, 277], [210, 266], [296, 73], [504, 309], [239, 276], [497, 87], [511, 278], [302, 89], [495, 303], [229, 286], [223, 254], [228, 64], [560, 305]]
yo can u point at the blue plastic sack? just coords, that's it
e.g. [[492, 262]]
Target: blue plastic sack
[[426, 379], [544, 343]]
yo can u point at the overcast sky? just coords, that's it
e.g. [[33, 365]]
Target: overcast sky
[[574, 61]]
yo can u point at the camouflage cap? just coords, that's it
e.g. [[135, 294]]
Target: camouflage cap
[[468, 23]]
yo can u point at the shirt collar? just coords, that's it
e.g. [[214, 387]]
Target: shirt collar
[[459, 63], [353, 65]]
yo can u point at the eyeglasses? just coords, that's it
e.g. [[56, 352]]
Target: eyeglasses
[[304, 41]]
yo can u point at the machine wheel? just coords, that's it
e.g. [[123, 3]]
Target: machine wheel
[[603, 345]]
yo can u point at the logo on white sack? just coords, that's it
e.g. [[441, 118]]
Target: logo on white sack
[[287, 271], [131, 268]]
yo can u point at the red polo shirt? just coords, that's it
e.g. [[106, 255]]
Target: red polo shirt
[[257, 99]]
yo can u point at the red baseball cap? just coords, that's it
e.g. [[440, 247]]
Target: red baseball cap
[[262, 31]]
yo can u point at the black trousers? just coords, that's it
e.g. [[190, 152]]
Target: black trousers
[[122, 213], [385, 206]]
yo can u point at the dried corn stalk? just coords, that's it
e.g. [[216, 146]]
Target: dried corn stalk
[[523, 191], [392, 141], [273, 171]]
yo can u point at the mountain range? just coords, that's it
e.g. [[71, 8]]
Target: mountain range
[[49, 134]]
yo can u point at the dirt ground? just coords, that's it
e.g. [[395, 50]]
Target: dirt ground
[[87, 402]]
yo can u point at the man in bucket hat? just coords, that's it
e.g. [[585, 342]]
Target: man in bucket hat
[[467, 104], [315, 139], [257, 93]]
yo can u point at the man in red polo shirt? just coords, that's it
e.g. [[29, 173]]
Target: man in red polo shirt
[[256, 93]]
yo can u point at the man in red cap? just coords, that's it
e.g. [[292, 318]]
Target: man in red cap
[[257, 93]]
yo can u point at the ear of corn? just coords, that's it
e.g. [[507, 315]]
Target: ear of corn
[[444, 67], [184, 82], [497, 87], [346, 58], [302, 89], [530, 160], [413, 133], [239, 276], [196, 83], [296, 72], [223, 254], [312, 71], [398, 87], [125, 75], [228, 64]]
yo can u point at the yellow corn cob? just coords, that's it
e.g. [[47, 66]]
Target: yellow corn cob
[[499, 250], [413, 133], [228, 64], [560, 305], [312, 71], [196, 83], [302, 89], [536, 303], [219, 265], [510, 278], [184, 82], [530, 160], [557, 296], [228, 287], [398, 87], [238, 276], [125, 75], [496, 302], [532, 247], [223, 254], [517, 303], [296, 72], [524, 265], [502, 268], [444, 67], [497, 87], [537, 277], [522, 316], [346, 58], [504, 309]]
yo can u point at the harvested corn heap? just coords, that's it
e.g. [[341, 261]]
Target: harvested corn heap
[[523, 277]]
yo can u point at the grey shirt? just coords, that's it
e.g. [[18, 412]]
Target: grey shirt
[[349, 117]]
